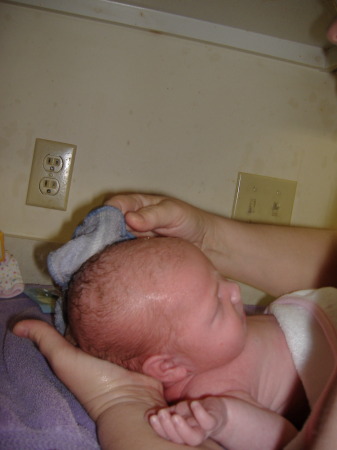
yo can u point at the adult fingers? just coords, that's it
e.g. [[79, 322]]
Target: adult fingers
[[133, 202], [161, 217], [140, 212]]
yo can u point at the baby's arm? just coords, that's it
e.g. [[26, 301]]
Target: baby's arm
[[234, 423]]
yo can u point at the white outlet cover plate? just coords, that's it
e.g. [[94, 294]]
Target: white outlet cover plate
[[40, 170]]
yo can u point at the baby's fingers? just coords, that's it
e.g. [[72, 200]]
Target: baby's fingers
[[206, 420], [190, 435], [157, 427], [177, 429], [163, 424]]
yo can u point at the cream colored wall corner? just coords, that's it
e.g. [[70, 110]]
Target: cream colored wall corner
[[155, 113]]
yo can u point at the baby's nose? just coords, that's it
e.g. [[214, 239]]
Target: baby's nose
[[230, 291], [235, 293]]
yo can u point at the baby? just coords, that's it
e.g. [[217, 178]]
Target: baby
[[158, 306]]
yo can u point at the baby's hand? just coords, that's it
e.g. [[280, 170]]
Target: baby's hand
[[190, 423]]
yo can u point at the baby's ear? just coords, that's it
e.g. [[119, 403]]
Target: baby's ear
[[165, 368]]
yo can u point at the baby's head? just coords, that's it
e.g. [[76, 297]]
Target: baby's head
[[160, 296], [120, 303]]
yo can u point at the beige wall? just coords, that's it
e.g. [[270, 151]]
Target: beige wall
[[152, 112]]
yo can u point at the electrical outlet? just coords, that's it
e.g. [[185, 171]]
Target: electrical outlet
[[53, 163], [50, 174], [264, 199], [49, 186]]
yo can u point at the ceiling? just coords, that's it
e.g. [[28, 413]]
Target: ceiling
[[302, 21]]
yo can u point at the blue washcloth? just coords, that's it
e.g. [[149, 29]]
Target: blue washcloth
[[101, 227]]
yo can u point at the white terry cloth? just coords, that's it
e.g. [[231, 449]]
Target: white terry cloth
[[309, 322]]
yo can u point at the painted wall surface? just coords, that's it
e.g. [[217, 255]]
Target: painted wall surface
[[156, 113]]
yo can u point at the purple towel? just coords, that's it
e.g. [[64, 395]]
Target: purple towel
[[37, 412]]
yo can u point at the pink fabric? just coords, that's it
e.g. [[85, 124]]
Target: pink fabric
[[11, 283]]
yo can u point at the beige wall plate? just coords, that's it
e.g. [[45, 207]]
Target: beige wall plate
[[50, 174], [264, 199]]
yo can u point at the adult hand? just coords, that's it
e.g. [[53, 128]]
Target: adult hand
[[148, 215], [98, 385], [116, 399], [241, 251]]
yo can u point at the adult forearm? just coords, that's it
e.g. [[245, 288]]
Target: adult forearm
[[275, 259], [116, 399]]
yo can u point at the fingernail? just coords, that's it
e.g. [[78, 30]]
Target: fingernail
[[20, 330]]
